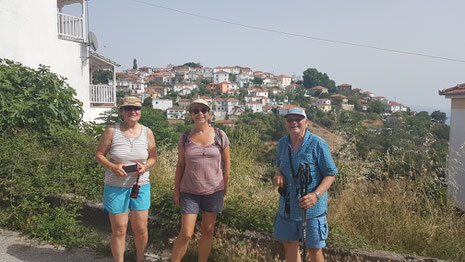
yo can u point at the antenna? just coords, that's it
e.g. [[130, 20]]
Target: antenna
[[93, 43]]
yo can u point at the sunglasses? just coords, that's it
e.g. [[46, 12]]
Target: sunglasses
[[203, 110], [292, 119], [131, 108]]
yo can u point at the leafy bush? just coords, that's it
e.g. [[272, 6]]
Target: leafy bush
[[35, 171], [35, 99]]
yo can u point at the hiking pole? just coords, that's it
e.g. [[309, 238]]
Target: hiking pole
[[305, 180], [302, 180]]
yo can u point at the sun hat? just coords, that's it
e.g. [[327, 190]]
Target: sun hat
[[296, 111], [199, 101], [131, 101]]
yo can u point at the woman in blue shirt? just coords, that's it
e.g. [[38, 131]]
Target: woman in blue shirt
[[301, 146]]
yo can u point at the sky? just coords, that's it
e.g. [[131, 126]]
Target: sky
[[156, 37]]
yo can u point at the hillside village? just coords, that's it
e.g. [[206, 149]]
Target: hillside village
[[233, 90]]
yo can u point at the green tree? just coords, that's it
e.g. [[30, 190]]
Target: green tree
[[36, 99], [439, 116], [232, 78], [192, 64], [148, 102], [376, 107], [134, 64], [101, 77], [313, 77], [257, 81]]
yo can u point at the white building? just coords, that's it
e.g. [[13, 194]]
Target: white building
[[39, 32], [256, 107], [283, 80], [162, 104], [456, 157], [220, 76], [175, 113], [260, 92]]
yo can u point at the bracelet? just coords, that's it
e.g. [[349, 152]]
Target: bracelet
[[317, 195]]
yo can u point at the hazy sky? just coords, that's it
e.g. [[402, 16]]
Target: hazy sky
[[128, 29]]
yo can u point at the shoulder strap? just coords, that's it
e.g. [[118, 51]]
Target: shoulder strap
[[185, 139], [290, 157], [218, 139]]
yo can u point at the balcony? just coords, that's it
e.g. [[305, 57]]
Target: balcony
[[102, 95], [70, 27]]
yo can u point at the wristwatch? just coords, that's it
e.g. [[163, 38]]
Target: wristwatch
[[317, 194]]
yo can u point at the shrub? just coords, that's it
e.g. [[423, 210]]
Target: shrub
[[35, 170], [35, 99]]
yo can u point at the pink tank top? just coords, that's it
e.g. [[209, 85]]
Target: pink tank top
[[203, 174]]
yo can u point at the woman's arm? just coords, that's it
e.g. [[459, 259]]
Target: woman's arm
[[178, 175], [152, 158], [102, 150], [227, 168]]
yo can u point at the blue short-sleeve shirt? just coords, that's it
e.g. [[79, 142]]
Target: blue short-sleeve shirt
[[315, 151]]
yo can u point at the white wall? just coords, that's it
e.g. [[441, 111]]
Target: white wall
[[28, 34], [162, 104], [456, 158]]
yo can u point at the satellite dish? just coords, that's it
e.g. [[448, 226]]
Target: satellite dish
[[93, 43]]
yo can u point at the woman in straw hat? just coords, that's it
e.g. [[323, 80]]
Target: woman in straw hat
[[127, 186], [201, 179]]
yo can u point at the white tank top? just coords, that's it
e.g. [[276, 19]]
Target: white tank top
[[126, 150]]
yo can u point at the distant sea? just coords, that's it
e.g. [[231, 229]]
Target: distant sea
[[430, 110]]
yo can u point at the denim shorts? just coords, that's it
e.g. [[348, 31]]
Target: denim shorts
[[192, 204], [116, 199], [291, 230]]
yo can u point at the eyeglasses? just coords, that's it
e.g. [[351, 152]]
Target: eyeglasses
[[290, 119], [131, 108], [203, 110]]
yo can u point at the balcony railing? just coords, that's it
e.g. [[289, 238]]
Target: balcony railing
[[102, 94], [70, 27]]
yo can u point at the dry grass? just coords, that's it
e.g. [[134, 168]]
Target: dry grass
[[400, 215]]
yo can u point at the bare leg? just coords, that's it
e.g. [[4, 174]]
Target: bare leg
[[291, 251], [316, 254], [139, 220], [182, 242], [206, 239], [119, 225]]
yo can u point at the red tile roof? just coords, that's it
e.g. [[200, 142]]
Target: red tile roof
[[456, 90], [318, 88]]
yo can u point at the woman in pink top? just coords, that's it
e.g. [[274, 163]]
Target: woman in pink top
[[201, 180]]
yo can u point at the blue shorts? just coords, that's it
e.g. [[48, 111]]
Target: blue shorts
[[290, 230], [192, 204], [116, 199]]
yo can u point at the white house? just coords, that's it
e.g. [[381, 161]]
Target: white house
[[393, 107], [225, 105], [220, 76], [256, 107], [260, 92], [39, 32], [162, 104], [184, 102], [322, 101], [283, 80], [174, 113], [456, 157]]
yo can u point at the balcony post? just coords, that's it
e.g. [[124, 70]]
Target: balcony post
[[84, 22]]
